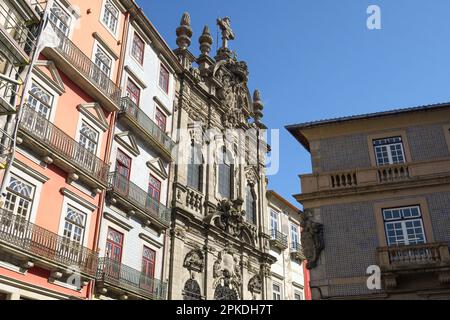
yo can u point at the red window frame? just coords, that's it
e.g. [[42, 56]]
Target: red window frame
[[164, 77], [148, 264], [123, 170], [154, 190], [111, 245], [161, 120], [138, 48], [133, 92]]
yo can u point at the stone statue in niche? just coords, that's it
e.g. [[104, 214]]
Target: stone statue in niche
[[312, 239]]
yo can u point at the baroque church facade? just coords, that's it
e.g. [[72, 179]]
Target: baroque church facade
[[219, 242]]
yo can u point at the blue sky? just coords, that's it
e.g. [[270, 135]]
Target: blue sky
[[316, 59]]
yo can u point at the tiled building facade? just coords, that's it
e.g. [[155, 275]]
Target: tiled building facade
[[378, 196]]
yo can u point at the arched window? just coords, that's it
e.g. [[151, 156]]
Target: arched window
[[191, 290], [225, 174], [250, 205], [194, 168]]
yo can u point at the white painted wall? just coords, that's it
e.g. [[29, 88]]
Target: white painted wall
[[286, 271], [147, 74]]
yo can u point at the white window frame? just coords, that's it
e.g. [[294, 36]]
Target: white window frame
[[402, 221], [389, 150], [279, 293], [72, 18], [274, 216], [37, 190], [68, 202], [47, 88], [293, 227], [115, 33], [299, 293], [105, 51], [19, 197], [82, 119]]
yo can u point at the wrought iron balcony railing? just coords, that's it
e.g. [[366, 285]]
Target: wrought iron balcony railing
[[297, 251], [147, 125], [122, 186], [38, 5], [84, 65], [9, 95], [114, 273], [17, 31], [30, 239], [278, 239], [46, 133]]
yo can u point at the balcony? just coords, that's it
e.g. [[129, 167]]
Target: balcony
[[85, 73], [389, 177], [115, 277], [133, 116], [37, 7], [36, 245], [9, 95], [17, 38], [278, 239], [296, 251], [6, 146], [413, 259], [137, 201], [55, 146]]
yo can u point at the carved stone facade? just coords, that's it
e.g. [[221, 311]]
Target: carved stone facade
[[218, 249]]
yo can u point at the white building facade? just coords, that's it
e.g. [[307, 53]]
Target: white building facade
[[284, 228], [136, 217]]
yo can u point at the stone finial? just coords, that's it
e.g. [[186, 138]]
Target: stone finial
[[184, 32], [205, 41], [258, 106]]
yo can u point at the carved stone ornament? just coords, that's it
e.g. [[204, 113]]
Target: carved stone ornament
[[194, 260], [227, 266], [232, 217], [312, 239], [255, 285]]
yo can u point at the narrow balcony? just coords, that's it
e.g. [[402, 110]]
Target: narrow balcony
[[278, 239], [55, 146], [124, 281], [16, 36], [84, 72], [6, 147], [37, 7], [296, 252], [9, 95], [34, 245], [414, 259], [137, 201], [147, 128]]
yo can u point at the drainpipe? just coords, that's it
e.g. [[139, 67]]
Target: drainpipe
[[112, 125]]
